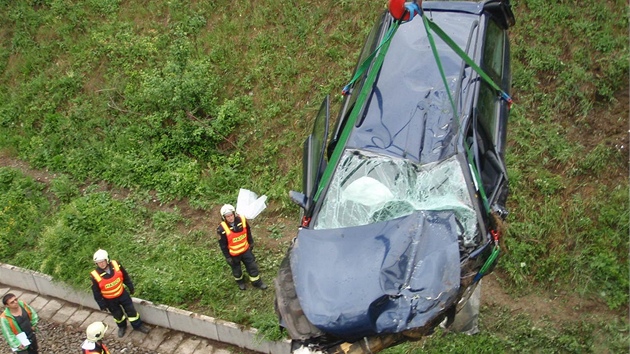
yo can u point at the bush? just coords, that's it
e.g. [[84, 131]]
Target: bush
[[22, 204], [86, 224]]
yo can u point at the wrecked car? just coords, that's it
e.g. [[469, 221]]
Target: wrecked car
[[403, 200]]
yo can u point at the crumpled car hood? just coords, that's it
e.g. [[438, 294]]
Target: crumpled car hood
[[379, 278]]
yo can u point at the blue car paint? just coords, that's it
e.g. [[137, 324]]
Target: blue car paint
[[405, 271]]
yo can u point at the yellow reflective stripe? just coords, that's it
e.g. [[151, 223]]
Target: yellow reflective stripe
[[137, 317], [237, 242], [122, 319], [254, 278], [96, 276], [113, 293], [236, 251], [115, 265], [226, 228], [112, 287]]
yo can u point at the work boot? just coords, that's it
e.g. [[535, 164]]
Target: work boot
[[144, 329], [260, 285], [122, 331]]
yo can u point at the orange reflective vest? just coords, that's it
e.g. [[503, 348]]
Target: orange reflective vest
[[237, 241], [113, 287], [12, 323], [102, 350]]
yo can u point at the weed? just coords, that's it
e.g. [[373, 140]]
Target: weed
[[166, 221], [64, 188], [21, 203], [597, 161], [275, 230]]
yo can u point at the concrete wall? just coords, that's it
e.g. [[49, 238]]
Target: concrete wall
[[159, 315]]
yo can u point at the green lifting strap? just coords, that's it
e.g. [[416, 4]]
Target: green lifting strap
[[366, 63], [379, 57], [431, 25], [382, 48], [477, 177], [466, 58], [439, 64], [489, 262]]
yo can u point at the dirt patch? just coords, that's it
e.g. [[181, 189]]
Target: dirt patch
[[607, 123], [6, 160], [553, 307]]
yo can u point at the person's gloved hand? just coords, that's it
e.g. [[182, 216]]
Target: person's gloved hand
[[229, 260], [131, 291], [102, 307], [251, 246]]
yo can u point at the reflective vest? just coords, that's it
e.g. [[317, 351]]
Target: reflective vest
[[102, 350], [113, 287], [237, 241], [12, 322]]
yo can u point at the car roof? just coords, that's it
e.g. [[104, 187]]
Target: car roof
[[473, 7], [409, 113]]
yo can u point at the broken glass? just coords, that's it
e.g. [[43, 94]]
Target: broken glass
[[369, 188]]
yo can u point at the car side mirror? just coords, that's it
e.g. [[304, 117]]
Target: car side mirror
[[298, 198]]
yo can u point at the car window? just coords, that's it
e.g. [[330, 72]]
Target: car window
[[370, 188], [487, 108], [370, 45], [315, 161], [494, 45], [493, 52]]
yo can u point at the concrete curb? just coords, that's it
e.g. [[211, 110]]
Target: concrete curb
[[159, 315]]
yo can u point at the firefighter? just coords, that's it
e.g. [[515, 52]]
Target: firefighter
[[93, 343], [110, 294], [236, 242], [19, 323]]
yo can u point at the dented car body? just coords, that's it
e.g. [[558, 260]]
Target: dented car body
[[404, 198]]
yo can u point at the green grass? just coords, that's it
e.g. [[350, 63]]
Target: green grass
[[185, 102], [503, 332]]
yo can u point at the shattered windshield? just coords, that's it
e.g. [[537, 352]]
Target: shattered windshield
[[368, 188]]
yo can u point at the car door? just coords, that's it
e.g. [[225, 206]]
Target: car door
[[314, 159], [492, 111]]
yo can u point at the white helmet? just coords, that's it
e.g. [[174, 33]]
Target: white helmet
[[96, 331], [101, 255], [227, 209]]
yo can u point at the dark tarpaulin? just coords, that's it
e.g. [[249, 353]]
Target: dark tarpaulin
[[409, 113], [378, 278]]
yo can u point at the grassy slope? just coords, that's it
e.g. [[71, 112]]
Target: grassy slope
[[153, 113]]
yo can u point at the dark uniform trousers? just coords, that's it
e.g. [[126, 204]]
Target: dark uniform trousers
[[251, 267], [116, 307]]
